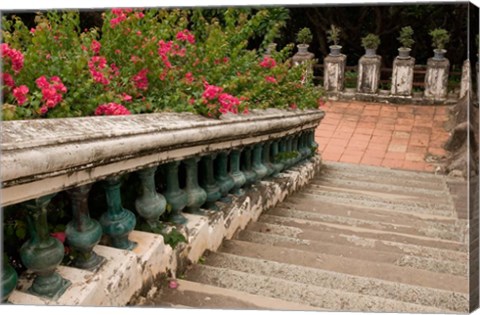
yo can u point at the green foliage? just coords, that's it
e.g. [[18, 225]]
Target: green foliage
[[285, 156], [334, 34], [173, 238], [440, 37], [371, 41], [304, 36], [406, 37], [150, 47]]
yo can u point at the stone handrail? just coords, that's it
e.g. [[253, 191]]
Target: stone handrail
[[44, 156], [216, 175]]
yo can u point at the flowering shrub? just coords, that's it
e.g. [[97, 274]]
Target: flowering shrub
[[153, 60]]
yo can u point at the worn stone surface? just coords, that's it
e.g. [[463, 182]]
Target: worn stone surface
[[383, 241], [436, 79], [45, 156], [369, 74], [127, 277], [402, 76], [333, 73], [466, 80]]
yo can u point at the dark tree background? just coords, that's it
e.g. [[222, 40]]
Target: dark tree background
[[356, 21], [386, 21]]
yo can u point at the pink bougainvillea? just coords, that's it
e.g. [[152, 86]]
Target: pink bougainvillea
[[20, 94], [95, 65], [140, 80], [8, 80], [186, 36], [111, 109], [16, 57], [270, 79], [268, 62], [52, 91]]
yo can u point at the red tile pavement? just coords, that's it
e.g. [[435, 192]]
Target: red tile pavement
[[388, 135]]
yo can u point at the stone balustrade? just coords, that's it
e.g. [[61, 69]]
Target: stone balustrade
[[203, 178], [401, 90]]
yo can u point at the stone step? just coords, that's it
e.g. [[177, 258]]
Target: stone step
[[430, 224], [292, 291], [375, 230], [375, 200], [372, 219], [435, 265], [351, 266], [326, 233], [270, 234], [441, 299], [361, 171], [190, 294], [377, 186]]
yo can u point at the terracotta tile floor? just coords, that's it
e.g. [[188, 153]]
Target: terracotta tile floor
[[394, 136]]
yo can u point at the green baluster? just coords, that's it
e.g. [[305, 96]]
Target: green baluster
[[250, 175], [9, 281], [208, 182], [150, 204], [313, 143], [237, 175], [117, 222], [266, 158], [289, 148], [298, 156], [83, 233], [282, 149], [224, 180], [302, 145], [43, 253], [257, 166], [196, 195], [277, 165], [176, 197]]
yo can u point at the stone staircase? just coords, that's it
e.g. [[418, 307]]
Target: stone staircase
[[357, 238]]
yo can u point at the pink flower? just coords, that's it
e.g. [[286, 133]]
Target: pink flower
[[95, 47], [43, 110], [172, 284], [111, 109], [321, 103], [140, 79], [20, 94], [270, 79], [8, 80], [293, 106], [16, 57], [211, 91], [126, 97], [228, 103], [118, 51], [52, 91], [59, 236], [187, 36], [268, 62], [139, 15], [189, 77], [32, 30]]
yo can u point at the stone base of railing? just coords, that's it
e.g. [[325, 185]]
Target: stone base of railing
[[385, 97], [127, 275]]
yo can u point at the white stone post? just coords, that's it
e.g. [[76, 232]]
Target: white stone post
[[369, 74], [466, 81], [436, 79], [334, 73], [402, 76]]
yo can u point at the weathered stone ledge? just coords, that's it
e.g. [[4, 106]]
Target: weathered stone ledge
[[126, 276], [40, 157]]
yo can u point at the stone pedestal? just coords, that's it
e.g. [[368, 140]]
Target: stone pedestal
[[402, 76], [334, 73], [466, 82], [436, 79], [369, 74]]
